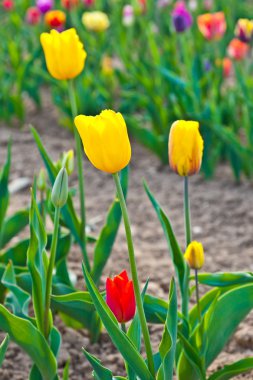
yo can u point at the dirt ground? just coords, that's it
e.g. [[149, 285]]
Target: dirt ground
[[222, 218]]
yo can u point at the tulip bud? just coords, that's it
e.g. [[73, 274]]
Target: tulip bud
[[60, 189], [185, 147], [44, 5], [68, 161], [120, 297], [96, 21], [128, 15], [194, 255], [8, 5], [107, 66], [33, 16], [55, 19], [42, 180], [244, 29], [182, 19]]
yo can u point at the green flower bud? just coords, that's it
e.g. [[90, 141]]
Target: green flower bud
[[60, 189], [68, 161], [42, 180]]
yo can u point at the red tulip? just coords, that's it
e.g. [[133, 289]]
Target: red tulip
[[120, 297], [8, 5]]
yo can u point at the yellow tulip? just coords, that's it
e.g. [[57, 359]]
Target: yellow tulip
[[185, 147], [105, 140], [64, 53], [194, 255], [96, 21]]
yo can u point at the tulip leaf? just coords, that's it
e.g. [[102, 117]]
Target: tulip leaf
[[155, 309], [231, 307], [119, 338], [68, 212], [168, 344], [28, 337], [134, 334], [4, 192], [18, 299], [225, 279], [3, 349], [232, 370], [100, 372], [13, 225], [79, 306], [175, 251], [108, 233], [37, 262]]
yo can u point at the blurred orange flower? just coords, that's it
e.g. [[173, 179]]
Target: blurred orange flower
[[212, 25], [238, 49], [55, 19]]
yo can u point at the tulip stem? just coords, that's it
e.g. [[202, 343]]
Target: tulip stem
[[50, 271], [188, 238], [134, 272], [197, 294], [187, 213], [73, 104], [123, 327]]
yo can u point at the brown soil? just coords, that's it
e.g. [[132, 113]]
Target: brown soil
[[222, 216]]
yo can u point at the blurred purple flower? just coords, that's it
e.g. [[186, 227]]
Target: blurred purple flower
[[44, 5], [182, 18], [207, 65]]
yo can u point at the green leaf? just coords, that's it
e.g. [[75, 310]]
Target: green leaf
[[79, 306], [175, 251], [4, 193], [18, 299], [134, 334], [168, 344], [100, 372], [155, 309], [232, 370], [193, 357], [70, 218], [65, 375], [225, 279], [37, 262], [13, 225], [28, 337], [3, 348], [232, 306], [120, 339], [108, 233]]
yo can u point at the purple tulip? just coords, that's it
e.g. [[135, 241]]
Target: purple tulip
[[44, 5], [182, 18]]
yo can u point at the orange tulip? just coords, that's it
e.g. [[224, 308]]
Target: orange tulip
[[212, 25], [238, 49]]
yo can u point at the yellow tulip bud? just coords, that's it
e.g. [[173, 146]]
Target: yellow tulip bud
[[95, 21], [194, 255], [64, 53], [105, 140], [185, 147], [107, 66]]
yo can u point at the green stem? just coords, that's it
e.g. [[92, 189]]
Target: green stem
[[42, 206], [123, 327], [197, 294], [50, 271], [133, 267], [73, 104], [187, 216]]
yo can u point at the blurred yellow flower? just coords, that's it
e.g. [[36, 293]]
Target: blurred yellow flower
[[185, 147], [64, 53], [107, 66], [244, 29], [105, 140], [96, 21], [194, 255]]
